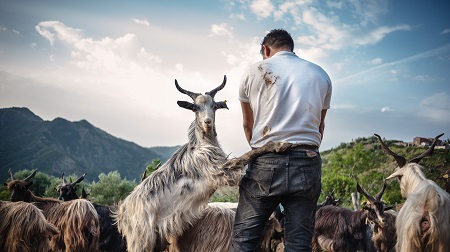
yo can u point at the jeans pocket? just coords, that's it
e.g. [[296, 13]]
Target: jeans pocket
[[258, 181], [305, 177]]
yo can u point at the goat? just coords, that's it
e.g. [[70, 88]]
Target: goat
[[23, 227], [76, 220], [383, 233], [341, 229], [175, 195], [110, 239], [68, 191], [213, 231], [329, 200], [422, 222]]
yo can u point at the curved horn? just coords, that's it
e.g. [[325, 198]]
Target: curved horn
[[429, 152], [11, 174], [31, 175], [191, 94], [380, 193], [80, 179], [364, 192], [401, 161], [213, 92]]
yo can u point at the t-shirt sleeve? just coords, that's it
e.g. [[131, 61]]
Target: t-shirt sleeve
[[327, 100], [244, 88]]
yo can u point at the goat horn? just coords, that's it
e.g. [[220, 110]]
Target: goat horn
[[80, 179], [63, 178], [380, 193], [401, 161], [364, 192], [11, 174], [429, 152], [31, 175], [213, 92], [189, 93]]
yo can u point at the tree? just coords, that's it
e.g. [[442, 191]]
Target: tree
[[110, 188], [41, 181], [151, 167]]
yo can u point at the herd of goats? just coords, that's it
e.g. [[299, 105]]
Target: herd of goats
[[169, 210]]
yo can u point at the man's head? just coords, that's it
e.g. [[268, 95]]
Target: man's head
[[276, 40]]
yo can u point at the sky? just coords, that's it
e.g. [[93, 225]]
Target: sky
[[114, 63]]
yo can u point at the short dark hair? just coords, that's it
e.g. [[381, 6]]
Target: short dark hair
[[278, 38]]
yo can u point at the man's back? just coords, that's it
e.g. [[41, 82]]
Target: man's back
[[287, 95]]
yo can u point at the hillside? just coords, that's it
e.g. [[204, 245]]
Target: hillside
[[364, 159], [53, 147]]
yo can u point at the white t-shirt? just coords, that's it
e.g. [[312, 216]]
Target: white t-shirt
[[287, 95]]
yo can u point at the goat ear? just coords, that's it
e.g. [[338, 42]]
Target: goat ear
[[220, 105], [187, 105], [396, 174]]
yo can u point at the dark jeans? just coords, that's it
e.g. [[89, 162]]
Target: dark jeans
[[292, 178]]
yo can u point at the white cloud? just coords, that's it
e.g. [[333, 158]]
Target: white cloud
[[239, 16], [424, 78], [262, 8], [376, 61], [221, 30], [385, 109], [445, 31], [436, 107], [141, 21], [52, 58]]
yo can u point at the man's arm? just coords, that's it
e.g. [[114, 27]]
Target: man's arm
[[247, 118], [322, 122]]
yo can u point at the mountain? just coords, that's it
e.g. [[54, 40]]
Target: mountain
[[29, 142]]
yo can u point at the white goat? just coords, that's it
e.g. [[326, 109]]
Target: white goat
[[174, 196], [423, 221]]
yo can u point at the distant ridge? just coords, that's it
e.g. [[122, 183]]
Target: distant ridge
[[29, 142]]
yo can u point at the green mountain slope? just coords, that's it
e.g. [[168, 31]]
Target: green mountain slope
[[53, 147], [364, 160]]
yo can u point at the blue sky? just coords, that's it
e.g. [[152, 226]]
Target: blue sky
[[114, 63]]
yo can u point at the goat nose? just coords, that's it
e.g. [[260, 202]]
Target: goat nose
[[208, 121]]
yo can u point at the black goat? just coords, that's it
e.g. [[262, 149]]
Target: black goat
[[341, 229]]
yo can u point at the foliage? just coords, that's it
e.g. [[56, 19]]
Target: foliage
[[110, 189], [226, 194], [151, 168], [364, 159]]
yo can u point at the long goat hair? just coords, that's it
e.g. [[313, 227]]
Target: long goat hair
[[110, 239], [23, 227], [174, 196], [76, 220], [212, 232], [341, 229], [423, 221]]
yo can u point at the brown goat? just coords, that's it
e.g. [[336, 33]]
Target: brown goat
[[23, 227], [77, 220]]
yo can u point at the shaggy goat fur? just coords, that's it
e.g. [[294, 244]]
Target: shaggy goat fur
[[76, 220], [24, 228], [110, 239], [213, 232], [422, 222], [384, 237], [175, 195]]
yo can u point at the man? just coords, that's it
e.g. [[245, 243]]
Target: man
[[284, 99]]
